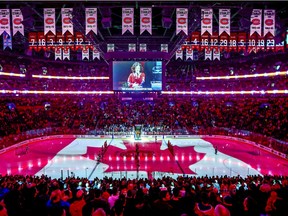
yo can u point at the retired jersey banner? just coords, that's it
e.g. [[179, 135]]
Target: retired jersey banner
[[41, 41], [5, 21], [189, 54], [110, 47], [69, 41], [224, 41], [195, 41], [233, 40], [7, 41], [224, 21], [241, 41], [270, 42], [91, 20], [132, 47], [179, 54], [208, 54], [256, 22], [269, 22], [146, 20], [66, 53], [128, 20], [85, 53], [60, 39], [204, 41], [58, 53], [79, 40], [50, 40], [142, 47], [214, 40], [216, 54], [260, 43], [206, 20], [32, 39], [164, 48], [49, 20], [181, 20], [17, 19], [95, 53], [67, 24]]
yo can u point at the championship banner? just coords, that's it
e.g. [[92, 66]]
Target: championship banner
[[224, 21], [7, 40], [58, 53], [241, 42], [142, 47], [181, 20], [132, 47], [95, 53], [49, 20], [91, 20], [66, 53], [214, 40], [164, 48], [260, 43], [79, 40], [110, 48], [32, 39], [252, 42], [206, 20], [189, 54], [60, 40], [269, 22], [208, 54], [216, 53], [179, 54], [17, 19], [256, 22], [195, 41], [41, 41], [224, 40], [270, 42], [233, 42], [5, 21], [85, 53], [67, 24], [128, 20], [146, 20], [50, 40], [69, 41], [204, 41]]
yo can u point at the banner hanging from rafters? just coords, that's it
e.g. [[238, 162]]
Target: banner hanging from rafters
[[189, 54], [95, 53], [132, 47], [5, 21], [142, 47], [66, 53], [85, 53], [182, 20], [91, 20], [256, 22], [206, 20], [128, 20], [164, 48], [17, 19], [208, 54], [269, 22], [7, 41], [146, 20], [58, 53], [179, 54], [67, 24], [216, 53], [49, 20], [224, 21]]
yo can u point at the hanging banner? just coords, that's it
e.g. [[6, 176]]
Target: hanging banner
[[128, 20], [270, 42], [204, 41], [269, 22], [67, 24], [208, 54], [79, 41], [41, 41], [189, 54], [58, 53], [164, 48], [214, 40], [49, 20], [241, 42], [256, 22], [195, 41], [69, 41], [95, 53], [260, 46], [216, 54], [60, 40], [50, 41], [206, 20], [110, 47], [252, 42], [279, 47], [5, 21], [32, 39], [224, 40], [179, 54], [142, 47], [7, 41], [85, 53], [17, 19], [182, 20], [66, 53], [91, 20], [233, 40], [224, 21], [146, 20], [132, 47]]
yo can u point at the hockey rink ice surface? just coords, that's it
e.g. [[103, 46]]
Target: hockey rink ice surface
[[63, 157]]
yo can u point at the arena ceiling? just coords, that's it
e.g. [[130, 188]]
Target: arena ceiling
[[162, 32]]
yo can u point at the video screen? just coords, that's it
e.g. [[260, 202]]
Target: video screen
[[137, 75]]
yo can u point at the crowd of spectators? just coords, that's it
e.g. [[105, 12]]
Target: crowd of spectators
[[190, 196]]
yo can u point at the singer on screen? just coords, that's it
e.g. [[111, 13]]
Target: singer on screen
[[137, 76]]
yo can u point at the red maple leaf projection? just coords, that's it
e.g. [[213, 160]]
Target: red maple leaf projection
[[151, 157]]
